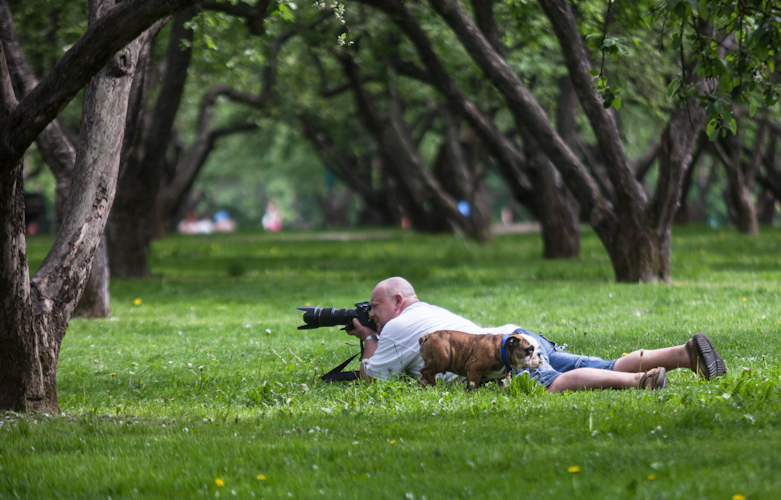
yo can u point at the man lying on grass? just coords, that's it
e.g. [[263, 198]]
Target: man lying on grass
[[402, 319]]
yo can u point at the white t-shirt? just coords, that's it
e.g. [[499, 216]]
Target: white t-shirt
[[398, 350]]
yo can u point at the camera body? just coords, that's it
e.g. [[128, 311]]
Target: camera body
[[315, 317]]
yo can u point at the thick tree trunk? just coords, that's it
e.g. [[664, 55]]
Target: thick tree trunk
[[639, 254], [55, 148], [18, 347], [35, 313]]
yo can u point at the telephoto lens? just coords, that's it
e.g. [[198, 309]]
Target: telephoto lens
[[315, 317]]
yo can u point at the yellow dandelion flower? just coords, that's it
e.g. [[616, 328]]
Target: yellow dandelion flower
[[137, 302], [653, 477], [219, 482], [393, 441], [111, 374], [626, 353], [563, 320], [261, 477], [738, 496], [574, 469], [743, 299]]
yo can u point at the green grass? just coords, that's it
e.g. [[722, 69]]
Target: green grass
[[200, 377]]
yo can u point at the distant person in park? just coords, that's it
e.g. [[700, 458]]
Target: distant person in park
[[191, 224], [272, 219], [223, 222], [402, 319]]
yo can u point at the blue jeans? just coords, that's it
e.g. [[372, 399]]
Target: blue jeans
[[556, 361]]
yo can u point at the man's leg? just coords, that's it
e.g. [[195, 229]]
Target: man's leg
[[645, 359], [596, 378], [698, 354]]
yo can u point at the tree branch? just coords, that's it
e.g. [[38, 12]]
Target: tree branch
[[100, 41]]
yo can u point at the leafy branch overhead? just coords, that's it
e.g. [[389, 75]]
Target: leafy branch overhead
[[725, 51]]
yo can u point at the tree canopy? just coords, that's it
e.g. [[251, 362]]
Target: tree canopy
[[413, 112]]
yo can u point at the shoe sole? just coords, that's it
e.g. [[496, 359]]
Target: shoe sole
[[710, 364], [661, 380]]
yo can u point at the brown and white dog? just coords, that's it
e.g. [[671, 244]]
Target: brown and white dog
[[476, 357]]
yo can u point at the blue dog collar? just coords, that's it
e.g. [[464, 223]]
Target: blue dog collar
[[504, 352]]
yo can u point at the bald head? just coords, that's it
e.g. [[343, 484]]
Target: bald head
[[397, 285], [389, 298]]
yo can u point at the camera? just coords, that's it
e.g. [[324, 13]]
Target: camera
[[315, 317]]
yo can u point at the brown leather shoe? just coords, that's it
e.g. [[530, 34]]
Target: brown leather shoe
[[655, 378], [703, 357]]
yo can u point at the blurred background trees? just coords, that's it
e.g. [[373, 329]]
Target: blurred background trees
[[373, 113]]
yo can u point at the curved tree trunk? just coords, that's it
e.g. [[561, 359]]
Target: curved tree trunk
[[34, 313], [560, 239], [635, 231], [58, 153]]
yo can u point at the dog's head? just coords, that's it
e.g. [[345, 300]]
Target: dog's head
[[523, 351]]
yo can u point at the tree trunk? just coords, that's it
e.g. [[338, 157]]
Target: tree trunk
[[96, 300], [557, 210], [636, 231], [130, 229], [560, 239], [685, 214], [771, 184], [57, 151], [354, 171], [19, 382], [639, 254], [35, 312], [738, 194], [424, 202]]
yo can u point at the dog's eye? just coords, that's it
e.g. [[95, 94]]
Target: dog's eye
[[530, 350]]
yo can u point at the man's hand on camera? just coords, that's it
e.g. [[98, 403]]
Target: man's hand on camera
[[360, 331]]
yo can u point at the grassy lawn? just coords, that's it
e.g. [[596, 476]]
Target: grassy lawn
[[200, 385]]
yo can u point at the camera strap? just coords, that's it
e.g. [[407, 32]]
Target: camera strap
[[337, 375]]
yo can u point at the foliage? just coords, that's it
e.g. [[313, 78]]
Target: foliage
[[735, 44], [200, 384], [726, 51]]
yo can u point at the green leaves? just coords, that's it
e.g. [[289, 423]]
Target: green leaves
[[719, 124], [732, 46], [611, 94]]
